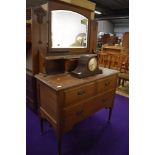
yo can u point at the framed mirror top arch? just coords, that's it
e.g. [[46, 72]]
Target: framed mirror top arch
[[69, 28]]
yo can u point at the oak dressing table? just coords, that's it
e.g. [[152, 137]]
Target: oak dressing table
[[62, 99], [65, 100]]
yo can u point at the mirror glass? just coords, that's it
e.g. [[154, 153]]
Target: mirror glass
[[68, 29]]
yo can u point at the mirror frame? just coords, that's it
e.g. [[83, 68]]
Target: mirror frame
[[68, 7], [79, 29]]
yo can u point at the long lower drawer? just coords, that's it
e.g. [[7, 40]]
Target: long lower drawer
[[99, 102], [82, 110]]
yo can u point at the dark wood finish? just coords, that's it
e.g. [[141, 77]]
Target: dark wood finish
[[65, 100], [28, 33], [41, 126], [110, 112], [93, 36], [83, 70], [31, 96], [105, 39]]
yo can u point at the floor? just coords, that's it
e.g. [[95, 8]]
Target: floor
[[93, 136], [123, 89]]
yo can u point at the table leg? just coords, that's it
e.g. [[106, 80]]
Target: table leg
[[123, 82], [119, 82], [110, 112], [41, 126], [59, 145]]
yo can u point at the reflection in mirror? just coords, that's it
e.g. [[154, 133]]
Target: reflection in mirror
[[69, 29]]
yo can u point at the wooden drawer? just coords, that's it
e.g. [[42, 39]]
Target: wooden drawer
[[72, 115], [48, 100], [106, 84], [78, 94], [31, 91], [78, 112], [98, 102]]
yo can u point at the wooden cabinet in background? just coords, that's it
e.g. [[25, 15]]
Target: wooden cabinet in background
[[65, 100], [112, 49]]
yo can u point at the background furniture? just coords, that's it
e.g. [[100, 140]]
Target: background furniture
[[65, 100], [113, 45], [125, 41], [113, 60], [119, 61], [112, 49], [105, 39]]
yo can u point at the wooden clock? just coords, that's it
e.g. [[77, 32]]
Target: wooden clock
[[87, 66]]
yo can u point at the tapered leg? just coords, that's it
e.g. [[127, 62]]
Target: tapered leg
[[59, 145], [123, 82], [119, 82], [41, 126], [110, 112]]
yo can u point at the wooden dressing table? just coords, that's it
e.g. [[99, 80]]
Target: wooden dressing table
[[62, 99], [65, 100]]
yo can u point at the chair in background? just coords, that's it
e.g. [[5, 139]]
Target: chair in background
[[118, 62], [114, 61], [124, 70]]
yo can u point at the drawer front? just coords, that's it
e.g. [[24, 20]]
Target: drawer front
[[106, 84], [48, 100], [29, 83], [78, 112], [77, 94], [98, 102], [72, 115]]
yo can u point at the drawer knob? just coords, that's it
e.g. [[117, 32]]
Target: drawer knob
[[82, 92], [107, 83], [104, 100], [78, 113]]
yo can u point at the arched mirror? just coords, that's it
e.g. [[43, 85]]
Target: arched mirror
[[68, 29]]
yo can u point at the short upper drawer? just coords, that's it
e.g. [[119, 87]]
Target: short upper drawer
[[106, 84], [77, 94]]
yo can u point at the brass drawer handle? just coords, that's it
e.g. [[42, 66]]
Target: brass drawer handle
[[107, 83], [82, 92], [78, 113]]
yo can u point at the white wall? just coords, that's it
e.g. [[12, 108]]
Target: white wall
[[105, 26]]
